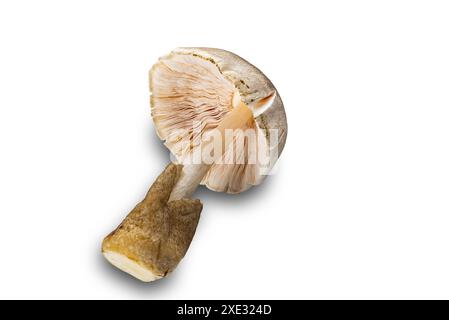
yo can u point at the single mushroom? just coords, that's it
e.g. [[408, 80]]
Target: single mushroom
[[225, 123]]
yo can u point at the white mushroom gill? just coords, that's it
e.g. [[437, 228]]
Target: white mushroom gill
[[190, 96]]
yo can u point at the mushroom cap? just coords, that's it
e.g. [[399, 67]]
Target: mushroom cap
[[192, 89]]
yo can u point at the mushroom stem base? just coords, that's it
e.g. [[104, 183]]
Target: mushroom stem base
[[130, 266]]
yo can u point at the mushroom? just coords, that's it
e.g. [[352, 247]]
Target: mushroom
[[225, 124]]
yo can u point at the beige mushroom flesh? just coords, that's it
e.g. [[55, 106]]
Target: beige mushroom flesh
[[201, 98]]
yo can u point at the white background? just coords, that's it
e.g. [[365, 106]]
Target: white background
[[359, 207]]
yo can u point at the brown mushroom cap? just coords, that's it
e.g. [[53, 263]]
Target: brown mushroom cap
[[194, 88]]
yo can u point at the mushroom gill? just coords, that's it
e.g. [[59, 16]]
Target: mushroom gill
[[190, 96]]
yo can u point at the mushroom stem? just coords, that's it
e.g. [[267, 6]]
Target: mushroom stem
[[192, 174], [155, 236]]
